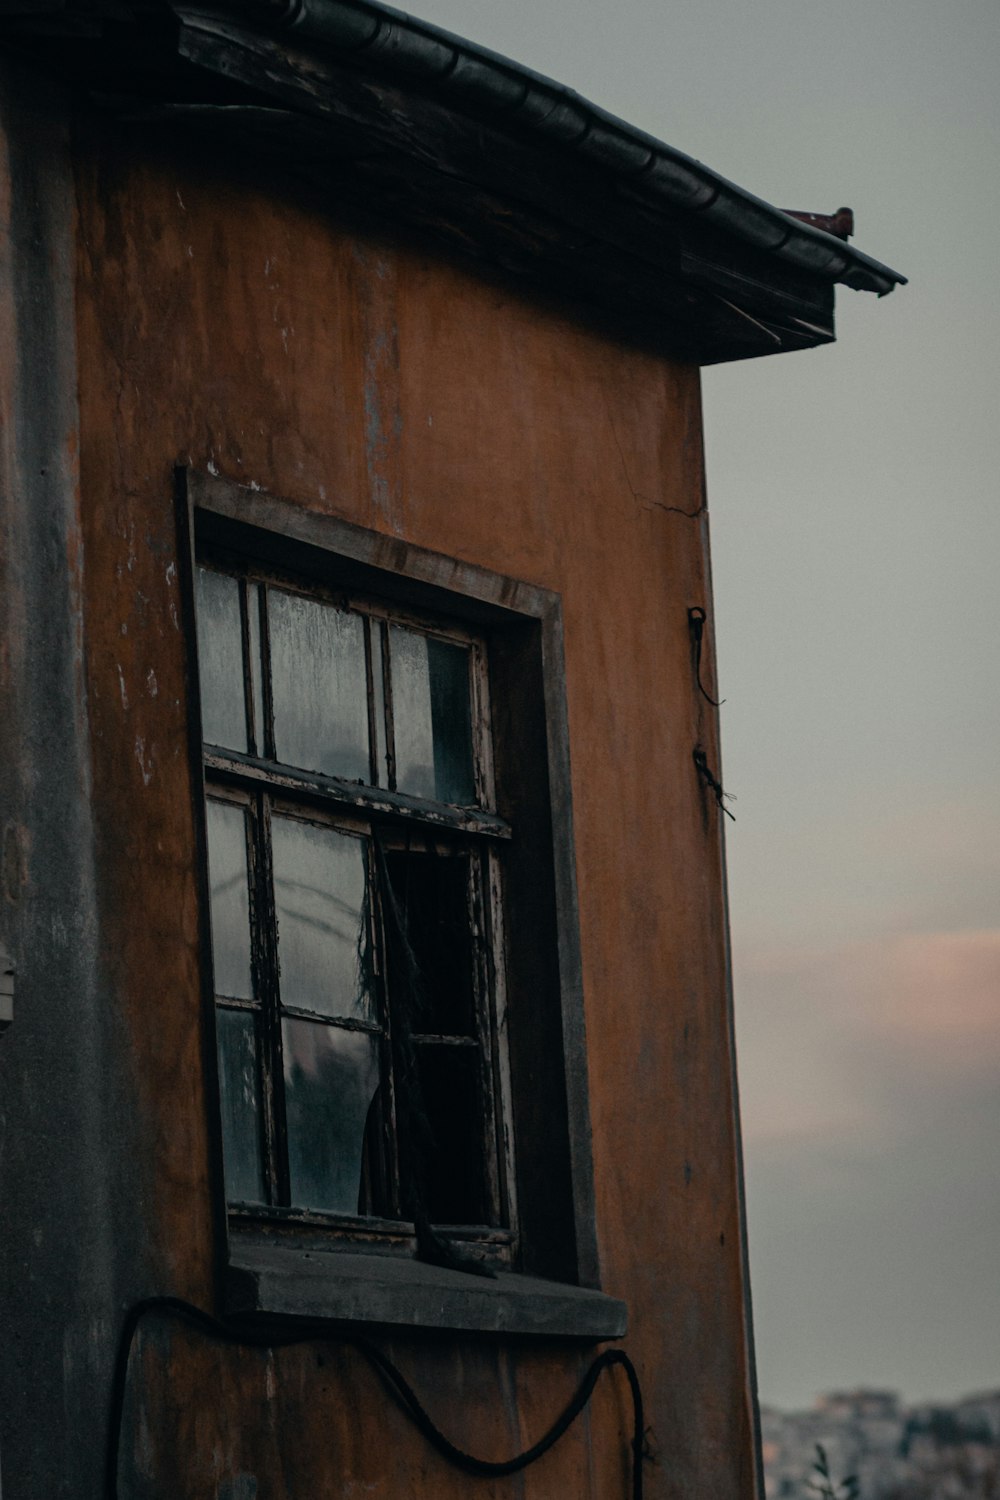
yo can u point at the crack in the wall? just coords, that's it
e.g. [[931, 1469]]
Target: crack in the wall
[[647, 501]]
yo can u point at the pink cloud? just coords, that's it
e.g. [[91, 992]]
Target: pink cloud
[[945, 986], [850, 1044]]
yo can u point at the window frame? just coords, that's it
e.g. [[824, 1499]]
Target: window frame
[[276, 1270], [264, 786]]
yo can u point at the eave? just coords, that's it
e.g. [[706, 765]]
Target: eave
[[366, 105]]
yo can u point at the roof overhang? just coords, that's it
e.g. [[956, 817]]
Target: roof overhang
[[370, 107]]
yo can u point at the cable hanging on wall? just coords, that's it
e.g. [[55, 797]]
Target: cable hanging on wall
[[696, 625], [709, 779], [391, 1377]]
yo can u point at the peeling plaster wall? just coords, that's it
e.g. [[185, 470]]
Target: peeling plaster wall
[[70, 1241]]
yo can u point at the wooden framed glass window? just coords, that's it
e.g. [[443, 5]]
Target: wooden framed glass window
[[357, 932]]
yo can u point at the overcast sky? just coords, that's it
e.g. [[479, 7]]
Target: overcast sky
[[856, 541]]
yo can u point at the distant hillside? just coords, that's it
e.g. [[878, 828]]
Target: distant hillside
[[897, 1452]]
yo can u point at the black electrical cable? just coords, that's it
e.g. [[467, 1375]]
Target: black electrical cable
[[696, 625], [711, 780], [391, 1376]]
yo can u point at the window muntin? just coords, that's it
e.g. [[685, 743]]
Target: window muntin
[[357, 962]]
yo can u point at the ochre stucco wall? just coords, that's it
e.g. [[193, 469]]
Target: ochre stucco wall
[[222, 326]]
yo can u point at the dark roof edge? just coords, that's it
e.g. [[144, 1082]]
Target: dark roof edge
[[482, 82]]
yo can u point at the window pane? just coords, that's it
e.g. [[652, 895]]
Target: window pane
[[220, 659], [227, 871], [318, 687], [432, 912], [256, 667], [378, 690], [432, 717], [240, 1100], [454, 1174], [331, 1076], [321, 896]]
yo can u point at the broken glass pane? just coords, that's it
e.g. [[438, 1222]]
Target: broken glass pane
[[321, 897], [331, 1077], [240, 1100], [432, 909], [220, 659], [319, 687], [454, 1174], [432, 717], [230, 904]]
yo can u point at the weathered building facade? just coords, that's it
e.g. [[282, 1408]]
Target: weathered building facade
[[362, 871]]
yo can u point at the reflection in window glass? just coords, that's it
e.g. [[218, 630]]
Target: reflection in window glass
[[320, 895], [432, 717], [378, 691], [230, 902], [256, 665], [240, 1100], [331, 1077], [319, 687], [220, 660]]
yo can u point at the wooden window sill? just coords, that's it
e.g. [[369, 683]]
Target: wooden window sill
[[281, 1282]]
